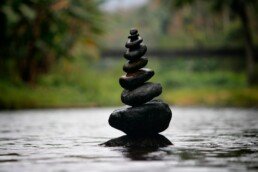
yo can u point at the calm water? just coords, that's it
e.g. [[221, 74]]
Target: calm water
[[67, 140]]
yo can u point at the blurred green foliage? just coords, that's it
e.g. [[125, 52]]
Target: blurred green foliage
[[164, 25], [241, 10], [59, 36], [186, 82], [35, 33]]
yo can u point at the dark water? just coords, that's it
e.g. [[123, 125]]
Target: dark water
[[67, 140]]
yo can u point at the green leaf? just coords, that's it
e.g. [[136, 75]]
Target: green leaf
[[27, 12], [11, 15]]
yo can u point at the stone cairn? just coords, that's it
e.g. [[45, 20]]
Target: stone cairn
[[145, 117]]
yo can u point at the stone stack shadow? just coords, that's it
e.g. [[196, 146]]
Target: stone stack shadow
[[145, 117]]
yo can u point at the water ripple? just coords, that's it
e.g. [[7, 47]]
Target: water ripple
[[68, 140]]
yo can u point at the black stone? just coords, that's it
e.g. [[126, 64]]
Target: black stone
[[133, 31], [133, 37], [141, 94], [135, 54], [155, 141], [132, 66], [134, 44], [133, 80], [145, 120]]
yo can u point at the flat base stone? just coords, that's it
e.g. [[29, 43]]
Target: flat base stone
[[155, 141], [145, 120]]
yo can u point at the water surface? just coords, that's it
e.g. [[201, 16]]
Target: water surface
[[68, 140]]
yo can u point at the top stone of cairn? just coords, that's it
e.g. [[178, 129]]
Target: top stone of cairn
[[136, 48], [133, 31]]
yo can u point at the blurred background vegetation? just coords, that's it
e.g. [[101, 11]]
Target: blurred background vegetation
[[51, 51]]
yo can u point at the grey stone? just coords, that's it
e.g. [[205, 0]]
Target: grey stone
[[145, 120], [131, 81], [142, 94], [132, 66]]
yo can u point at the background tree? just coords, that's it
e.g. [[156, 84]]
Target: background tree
[[35, 33], [238, 8]]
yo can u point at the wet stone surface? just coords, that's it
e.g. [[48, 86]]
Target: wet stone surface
[[148, 119], [132, 66], [142, 94], [68, 140], [135, 54], [133, 80]]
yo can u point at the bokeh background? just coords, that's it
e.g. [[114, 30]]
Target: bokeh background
[[69, 53]]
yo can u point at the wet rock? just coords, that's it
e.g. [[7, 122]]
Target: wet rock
[[133, 31], [141, 94], [133, 34], [145, 120], [132, 66], [135, 54], [133, 37], [146, 117], [134, 44], [133, 80], [155, 141]]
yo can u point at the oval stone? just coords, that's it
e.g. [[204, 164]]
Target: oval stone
[[132, 66], [133, 80], [133, 37], [141, 95], [134, 43], [135, 54], [148, 119], [133, 31]]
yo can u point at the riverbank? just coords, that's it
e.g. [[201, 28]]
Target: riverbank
[[81, 83]]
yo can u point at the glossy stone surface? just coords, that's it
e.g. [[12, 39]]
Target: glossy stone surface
[[135, 54], [132, 66], [148, 119], [141, 95], [133, 44], [133, 80], [133, 31]]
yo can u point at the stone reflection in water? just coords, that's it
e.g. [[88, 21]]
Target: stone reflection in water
[[139, 148], [154, 141], [144, 153]]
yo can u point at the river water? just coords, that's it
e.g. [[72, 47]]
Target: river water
[[68, 140]]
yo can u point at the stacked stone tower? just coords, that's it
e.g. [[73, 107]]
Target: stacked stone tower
[[145, 117]]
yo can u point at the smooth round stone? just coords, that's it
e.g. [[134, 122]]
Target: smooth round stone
[[133, 31], [133, 37], [155, 141], [132, 66], [141, 94], [145, 120], [135, 54], [133, 43], [133, 80]]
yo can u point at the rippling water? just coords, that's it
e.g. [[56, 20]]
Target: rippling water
[[68, 140]]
